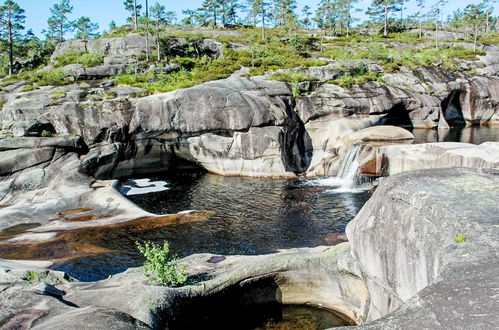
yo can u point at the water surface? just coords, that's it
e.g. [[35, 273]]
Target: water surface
[[252, 216]]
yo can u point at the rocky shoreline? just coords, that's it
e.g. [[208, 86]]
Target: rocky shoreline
[[402, 266]]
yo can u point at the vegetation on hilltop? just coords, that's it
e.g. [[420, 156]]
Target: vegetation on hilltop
[[273, 36]]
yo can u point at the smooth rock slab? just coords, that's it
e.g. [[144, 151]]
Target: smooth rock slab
[[405, 241]]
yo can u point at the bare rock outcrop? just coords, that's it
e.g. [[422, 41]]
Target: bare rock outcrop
[[393, 159]]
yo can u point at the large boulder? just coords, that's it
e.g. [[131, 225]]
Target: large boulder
[[427, 247]]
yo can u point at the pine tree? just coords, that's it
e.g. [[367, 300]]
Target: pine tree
[[112, 25], [383, 8], [210, 10], [306, 16], [11, 25], [283, 9], [421, 6], [85, 29], [438, 13], [473, 16], [347, 8], [158, 21], [134, 9], [58, 22]]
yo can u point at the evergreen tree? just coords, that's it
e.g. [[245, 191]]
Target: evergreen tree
[[283, 10], [112, 25], [437, 12], [11, 25], [209, 11], [473, 17], [85, 29], [306, 21], [171, 18], [253, 8], [233, 6], [58, 22], [134, 9], [421, 6], [263, 8], [158, 21], [383, 8], [190, 17], [347, 6]]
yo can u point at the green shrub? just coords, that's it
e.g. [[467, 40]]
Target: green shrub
[[293, 77], [58, 95], [28, 88], [362, 77], [46, 133], [159, 266], [83, 58], [53, 77], [109, 95], [460, 238], [33, 276]]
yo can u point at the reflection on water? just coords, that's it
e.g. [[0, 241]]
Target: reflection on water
[[474, 135], [253, 216]]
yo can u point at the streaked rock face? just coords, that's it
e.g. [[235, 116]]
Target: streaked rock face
[[406, 242], [394, 159], [245, 126]]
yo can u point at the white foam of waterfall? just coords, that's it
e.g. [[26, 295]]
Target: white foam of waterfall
[[349, 178]]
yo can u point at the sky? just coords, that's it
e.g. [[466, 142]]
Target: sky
[[104, 11]]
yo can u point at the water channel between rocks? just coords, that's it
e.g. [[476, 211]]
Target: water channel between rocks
[[251, 216]]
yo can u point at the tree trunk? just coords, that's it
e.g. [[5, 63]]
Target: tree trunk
[[487, 22], [385, 32], [263, 22], [11, 46], [135, 15], [159, 47], [147, 31], [420, 25], [436, 35], [475, 38]]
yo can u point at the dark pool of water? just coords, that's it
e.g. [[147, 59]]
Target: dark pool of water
[[264, 317], [252, 216], [474, 135], [300, 318]]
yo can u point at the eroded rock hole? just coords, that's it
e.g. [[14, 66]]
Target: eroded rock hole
[[251, 304], [451, 108]]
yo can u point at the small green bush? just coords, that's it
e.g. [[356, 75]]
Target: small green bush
[[57, 95], [83, 58], [53, 77], [46, 133], [33, 276], [460, 238], [159, 266], [28, 88], [293, 77]]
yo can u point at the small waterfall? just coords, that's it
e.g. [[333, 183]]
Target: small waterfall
[[350, 169]]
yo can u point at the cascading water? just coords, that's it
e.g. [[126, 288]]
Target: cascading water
[[348, 179], [349, 173]]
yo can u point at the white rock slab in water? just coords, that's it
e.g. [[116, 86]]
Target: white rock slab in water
[[144, 186]]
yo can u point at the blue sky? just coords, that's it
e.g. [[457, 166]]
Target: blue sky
[[104, 11]]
